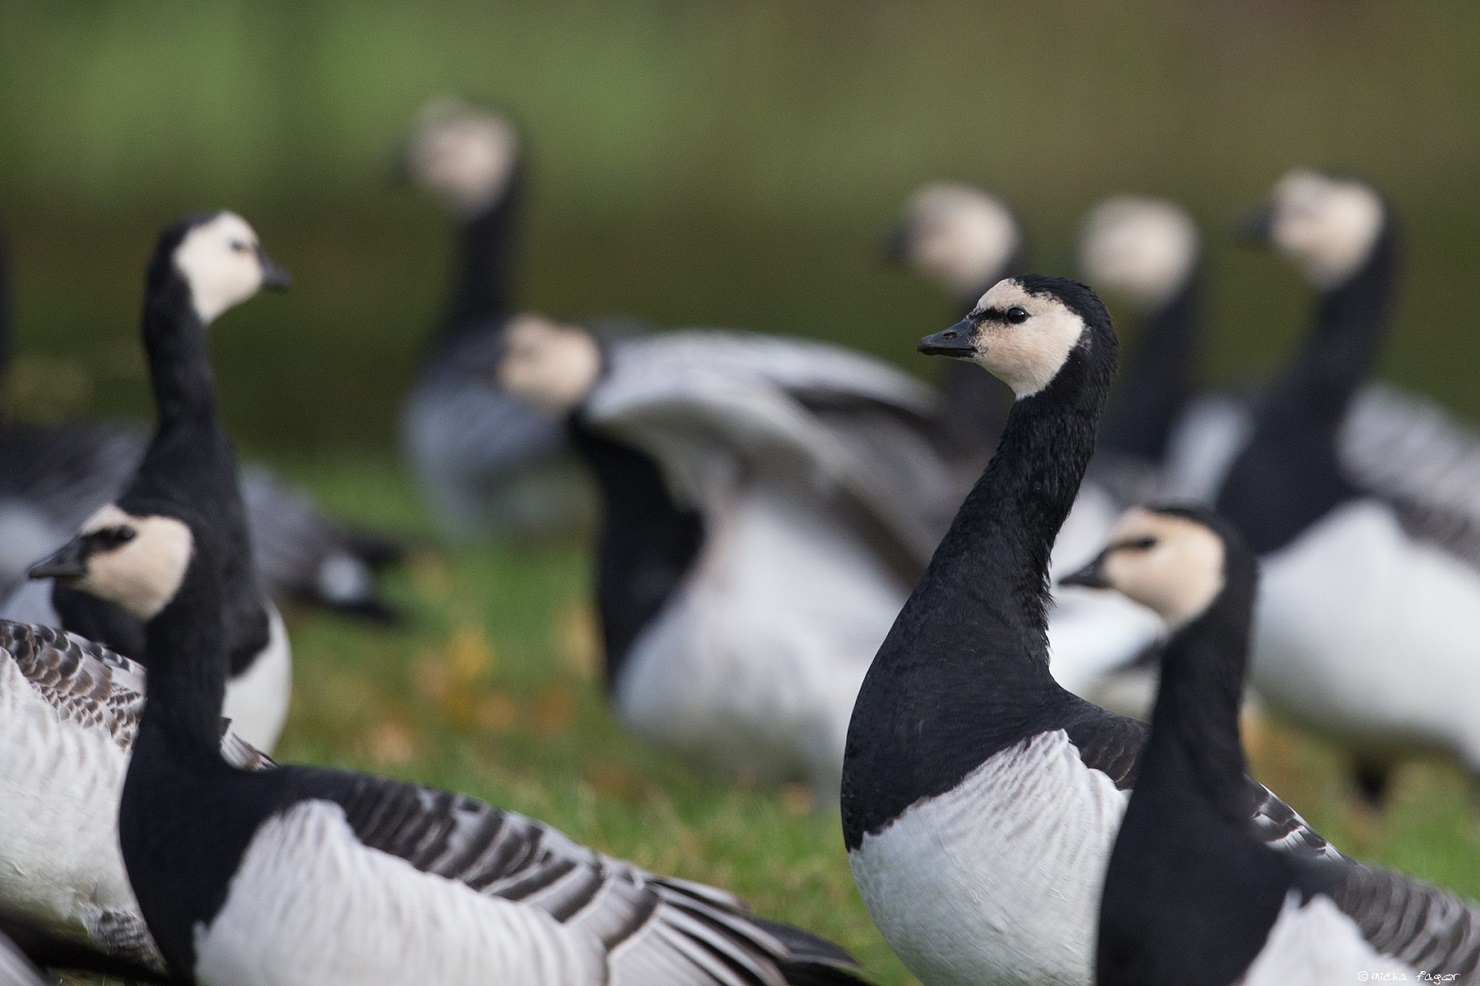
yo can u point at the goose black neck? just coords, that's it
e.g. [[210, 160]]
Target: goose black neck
[[1290, 473], [963, 673], [1158, 380], [185, 651], [1195, 726], [1346, 340], [648, 541], [484, 293], [178, 348]]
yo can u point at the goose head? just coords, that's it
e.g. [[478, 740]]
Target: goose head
[[1139, 247], [221, 261], [463, 155], [1325, 225], [1173, 560], [957, 236], [137, 560], [552, 366], [1024, 330]]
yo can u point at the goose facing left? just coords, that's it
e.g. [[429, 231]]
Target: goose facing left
[[1191, 893], [202, 266], [308, 875], [981, 799]]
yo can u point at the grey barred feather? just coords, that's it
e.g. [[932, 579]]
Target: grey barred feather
[[1418, 924], [84, 682], [697, 933]]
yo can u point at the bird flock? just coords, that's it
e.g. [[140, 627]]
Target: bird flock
[[1006, 627]]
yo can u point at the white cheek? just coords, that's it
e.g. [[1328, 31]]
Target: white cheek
[[1027, 358]]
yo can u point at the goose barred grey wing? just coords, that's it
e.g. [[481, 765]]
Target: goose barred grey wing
[[1421, 925], [720, 408], [1279, 826], [650, 929], [83, 681]]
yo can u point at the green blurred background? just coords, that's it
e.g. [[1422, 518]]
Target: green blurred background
[[730, 164]]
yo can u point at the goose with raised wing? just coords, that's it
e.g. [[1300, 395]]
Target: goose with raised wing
[[310, 875], [487, 461], [202, 266], [1192, 891], [980, 798], [767, 504]]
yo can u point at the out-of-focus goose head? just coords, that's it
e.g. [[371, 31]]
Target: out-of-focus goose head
[[464, 155], [1139, 247], [1326, 225], [550, 365], [957, 236]]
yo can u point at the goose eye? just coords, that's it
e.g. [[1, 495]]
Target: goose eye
[[1142, 544], [238, 246], [112, 537], [1016, 315]]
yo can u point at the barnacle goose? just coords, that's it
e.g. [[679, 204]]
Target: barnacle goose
[[1371, 568], [56, 476], [980, 798], [964, 239], [768, 502], [1191, 891], [69, 712], [202, 266], [487, 461], [25, 947], [302, 874]]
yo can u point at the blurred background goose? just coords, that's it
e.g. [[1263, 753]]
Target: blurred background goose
[[1190, 885], [307, 874], [56, 476], [768, 503], [1371, 571], [487, 461], [202, 266]]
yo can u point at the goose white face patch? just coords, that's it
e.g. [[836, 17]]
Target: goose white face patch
[[551, 366], [1143, 248], [959, 236], [1025, 355], [463, 155], [222, 263], [143, 573], [1171, 565], [1327, 227]]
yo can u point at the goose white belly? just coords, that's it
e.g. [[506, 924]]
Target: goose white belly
[[60, 783], [998, 880], [310, 905], [753, 666], [257, 699], [1369, 635], [1317, 943]]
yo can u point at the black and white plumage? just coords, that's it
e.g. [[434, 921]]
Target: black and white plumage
[[1192, 891], [488, 461], [202, 266], [980, 798], [69, 713], [1369, 548], [56, 476], [768, 502], [309, 875]]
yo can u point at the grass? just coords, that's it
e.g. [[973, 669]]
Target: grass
[[492, 688]]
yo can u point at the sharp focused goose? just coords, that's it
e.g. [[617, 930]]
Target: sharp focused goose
[[69, 712], [1192, 892], [980, 798], [1372, 568], [487, 461], [768, 503], [55, 477], [202, 266], [308, 875]]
